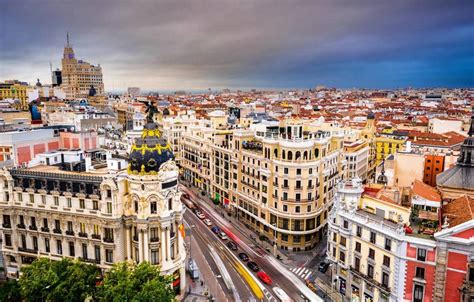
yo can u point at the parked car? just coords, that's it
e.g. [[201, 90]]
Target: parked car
[[323, 266], [282, 295], [223, 236], [243, 257], [253, 266], [215, 229], [207, 222], [264, 277], [232, 245]]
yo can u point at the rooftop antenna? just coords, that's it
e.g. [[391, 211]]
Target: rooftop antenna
[[50, 67]]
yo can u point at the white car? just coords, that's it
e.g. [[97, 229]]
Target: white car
[[282, 295], [223, 236], [207, 222], [200, 215]]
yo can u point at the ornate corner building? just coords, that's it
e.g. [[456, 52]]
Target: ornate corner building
[[99, 216]]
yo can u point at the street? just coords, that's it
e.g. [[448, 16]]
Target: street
[[279, 274]]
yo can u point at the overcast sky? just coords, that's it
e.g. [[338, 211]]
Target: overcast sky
[[168, 45]]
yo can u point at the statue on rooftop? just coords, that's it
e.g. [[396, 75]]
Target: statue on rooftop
[[150, 110]]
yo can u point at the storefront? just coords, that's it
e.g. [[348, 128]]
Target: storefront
[[355, 294], [176, 282], [342, 286]]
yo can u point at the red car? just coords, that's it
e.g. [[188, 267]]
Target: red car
[[264, 277]]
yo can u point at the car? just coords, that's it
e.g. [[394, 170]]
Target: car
[[223, 236], [243, 257], [207, 222], [323, 266], [185, 195], [253, 266], [215, 229], [232, 245], [200, 215], [264, 277], [282, 295]]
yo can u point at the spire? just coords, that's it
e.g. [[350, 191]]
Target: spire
[[471, 128], [67, 39]]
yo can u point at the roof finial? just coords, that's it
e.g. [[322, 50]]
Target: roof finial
[[67, 38]]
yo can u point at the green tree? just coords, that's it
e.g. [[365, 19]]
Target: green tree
[[139, 283], [10, 291], [65, 280]]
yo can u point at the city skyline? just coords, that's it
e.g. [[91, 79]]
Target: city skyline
[[165, 46]]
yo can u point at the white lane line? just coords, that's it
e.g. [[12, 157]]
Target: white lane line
[[303, 272], [307, 275], [298, 270]]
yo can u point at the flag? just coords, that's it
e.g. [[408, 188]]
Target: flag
[[181, 230]]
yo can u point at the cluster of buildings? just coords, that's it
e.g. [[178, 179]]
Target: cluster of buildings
[[385, 176]]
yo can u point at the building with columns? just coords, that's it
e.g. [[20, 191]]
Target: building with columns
[[96, 214]]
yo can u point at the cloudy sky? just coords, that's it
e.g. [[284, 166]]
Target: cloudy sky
[[167, 45]]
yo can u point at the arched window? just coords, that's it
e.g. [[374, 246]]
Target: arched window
[[170, 204], [283, 154], [298, 155], [290, 155], [305, 155], [275, 153], [316, 153]]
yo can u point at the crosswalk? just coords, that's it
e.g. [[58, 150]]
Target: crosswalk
[[302, 272]]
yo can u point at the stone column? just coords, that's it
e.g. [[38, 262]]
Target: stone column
[[141, 251], [162, 246], [146, 256], [128, 242], [168, 244]]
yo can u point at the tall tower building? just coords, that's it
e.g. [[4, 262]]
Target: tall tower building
[[78, 76]]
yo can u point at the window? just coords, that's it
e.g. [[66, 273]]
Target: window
[[8, 240], [342, 241], [421, 255], [84, 251], [359, 231], [418, 293], [371, 254], [32, 198], [59, 247], [72, 252], [43, 199], [297, 209], [6, 221], [334, 237], [109, 234], [95, 205], [69, 202], [385, 279], [57, 224], [153, 208], [56, 200], [357, 264], [109, 193], [298, 184], [109, 208], [420, 272], [109, 256], [33, 221], [96, 229], [285, 208], [358, 247], [97, 252], [82, 227], [46, 245], [69, 226], [170, 204], [388, 244], [285, 183], [298, 171], [370, 271], [334, 252], [297, 197], [346, 224], [285, 170], [154, 257], [308, 208], [373, 237], [342, 256], [310, 171], [386, 261]]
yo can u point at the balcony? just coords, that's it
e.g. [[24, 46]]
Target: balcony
[[57, 231], [70, 233], [33, 227], [83, 235], [108, 240], [27, 250], [45, 229], [370, 280], [89, 260], [7, 225], [154, 239], [95, 236], [21, 226]]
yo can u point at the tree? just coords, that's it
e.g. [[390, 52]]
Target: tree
[[10, 291], [65, 280], [132, 282]]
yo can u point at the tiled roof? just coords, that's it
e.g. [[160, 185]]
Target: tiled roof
[[426, 191], [459, 211]]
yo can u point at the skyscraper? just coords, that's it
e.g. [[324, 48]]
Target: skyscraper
[[79, 76]]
